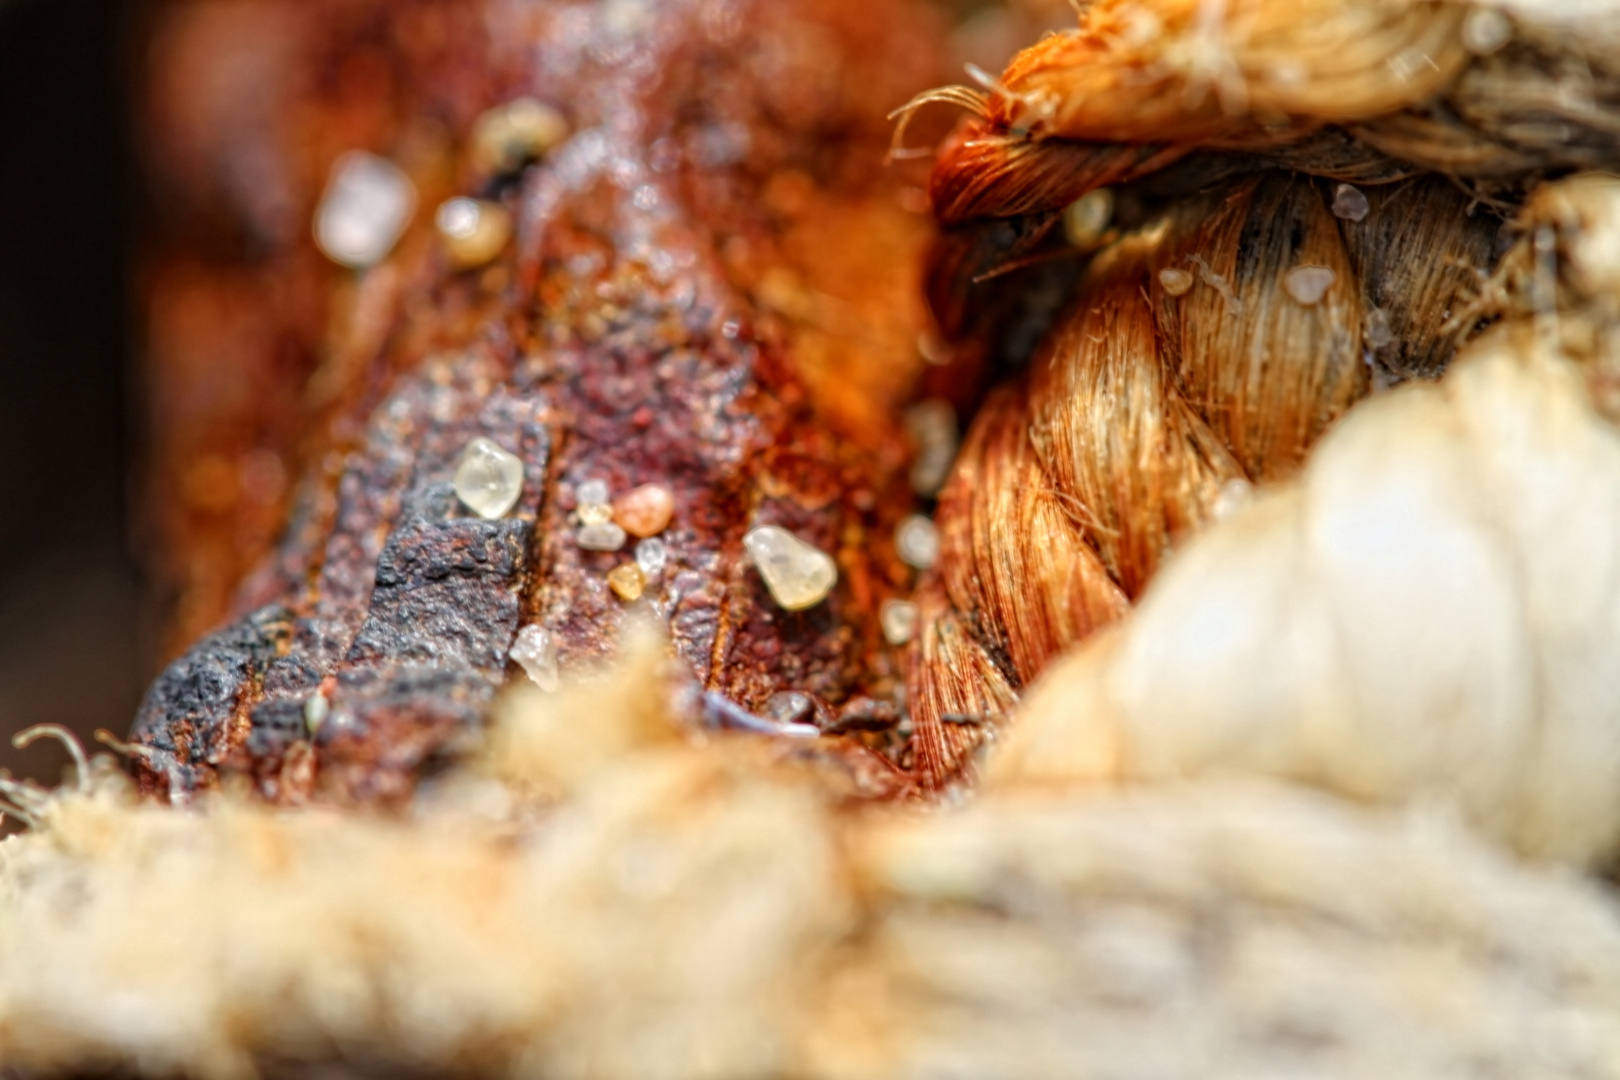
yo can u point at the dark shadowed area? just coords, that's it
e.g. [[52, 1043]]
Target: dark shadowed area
[[72, 646]]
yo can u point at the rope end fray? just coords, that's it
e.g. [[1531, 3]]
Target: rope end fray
[[1035, 107], [1042, 103], [27, 801], [30, 803], [961, 96]]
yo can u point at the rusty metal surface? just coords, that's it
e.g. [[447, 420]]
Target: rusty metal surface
[[708, 289]]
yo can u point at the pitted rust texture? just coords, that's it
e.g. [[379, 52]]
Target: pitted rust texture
[[195, 711], [672, 311], [403, 617]]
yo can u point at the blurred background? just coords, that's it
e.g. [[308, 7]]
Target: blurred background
[[75, 644]]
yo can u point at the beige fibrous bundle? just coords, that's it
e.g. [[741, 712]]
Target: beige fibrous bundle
[[594, 894]]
